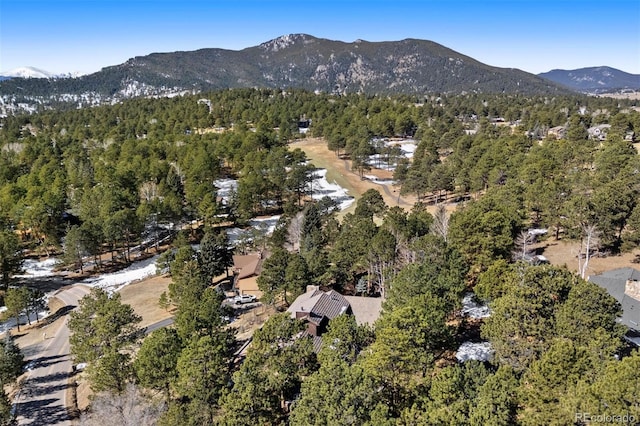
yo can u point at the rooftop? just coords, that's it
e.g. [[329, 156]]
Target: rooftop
[[615, 282]]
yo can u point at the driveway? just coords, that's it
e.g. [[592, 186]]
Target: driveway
[[42, 396]]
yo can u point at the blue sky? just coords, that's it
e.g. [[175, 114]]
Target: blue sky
[[533, 35]]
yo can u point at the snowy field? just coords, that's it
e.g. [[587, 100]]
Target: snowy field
[[38, 268], [407, 149], [115, 280], [32, 268], [321, 187], [480, 351], [259, 226], [376, 179]]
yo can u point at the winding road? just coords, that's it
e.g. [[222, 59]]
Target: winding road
[[42, 396]]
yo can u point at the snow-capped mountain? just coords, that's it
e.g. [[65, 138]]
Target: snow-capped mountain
[[27, 72]]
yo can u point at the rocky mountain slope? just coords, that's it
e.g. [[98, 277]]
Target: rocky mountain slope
[[594, 79], [294, 61]]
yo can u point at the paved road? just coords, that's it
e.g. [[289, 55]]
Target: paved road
[[160, 324], [42, 398]]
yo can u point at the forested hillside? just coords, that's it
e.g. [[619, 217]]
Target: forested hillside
[[95, 180], [595, 79], [295, 61]]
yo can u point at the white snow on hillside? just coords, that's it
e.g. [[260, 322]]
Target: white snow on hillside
[[134, 272], [226, 187], [27, 72], [257, 227], [408, 147], [481, 351], [321, 187], [380, 161], [38, 268], [376, 179]]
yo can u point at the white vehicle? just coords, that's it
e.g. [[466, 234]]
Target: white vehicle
[[244, 298]]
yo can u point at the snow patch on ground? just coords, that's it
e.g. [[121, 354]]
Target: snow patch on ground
[[38, 268], [134, 272], [226, 187], [407, 149], [407, 146], [376, 179], [11, 322], [257, 227], [473, 309], [479, 351], [321, 187]]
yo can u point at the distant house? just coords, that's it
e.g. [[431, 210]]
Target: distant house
[[623, 284], [599, 132], [303, 125], [318, 308], [559, 132]]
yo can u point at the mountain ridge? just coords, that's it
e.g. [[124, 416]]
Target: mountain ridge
[[409, 66], [27, 72], [598, 79]]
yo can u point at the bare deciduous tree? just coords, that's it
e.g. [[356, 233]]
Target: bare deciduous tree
[[588, 244], [149, 191], [131, 408], [294, 232], [440, 225], [522, 243]]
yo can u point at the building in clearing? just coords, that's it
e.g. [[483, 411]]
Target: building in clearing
[[318, 308]]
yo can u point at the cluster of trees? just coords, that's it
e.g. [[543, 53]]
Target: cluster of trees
[[555, 339], [24, 300], [570, 184], [355, 255], [11, 363], [188, 364], [122, 168]]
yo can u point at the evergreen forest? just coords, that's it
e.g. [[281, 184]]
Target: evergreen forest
[[93, 181]]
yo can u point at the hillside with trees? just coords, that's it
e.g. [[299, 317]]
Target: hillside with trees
[[294, 61], [98, 180]]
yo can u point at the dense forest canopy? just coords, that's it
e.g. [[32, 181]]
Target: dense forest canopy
[[125, 162], [97, 178]]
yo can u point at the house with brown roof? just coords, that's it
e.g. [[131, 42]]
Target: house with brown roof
[[318, 308], [246, 265], [246, 269]]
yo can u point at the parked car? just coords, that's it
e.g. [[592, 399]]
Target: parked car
[[244, 298]]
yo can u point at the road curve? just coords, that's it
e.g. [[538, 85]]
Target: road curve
[[42, 396]]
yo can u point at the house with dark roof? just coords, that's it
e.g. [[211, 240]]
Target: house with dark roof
[[623, 284], [318, 308]]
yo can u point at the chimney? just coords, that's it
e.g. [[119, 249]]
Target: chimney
[[632, 289]]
